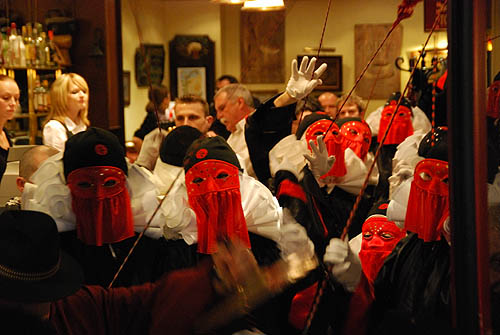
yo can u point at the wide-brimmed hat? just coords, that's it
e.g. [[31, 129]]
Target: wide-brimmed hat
[[215, 148], [32, 266]]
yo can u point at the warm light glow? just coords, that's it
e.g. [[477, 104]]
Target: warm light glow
[[229, 2], [443, 44], [489, 46], [263, 5]]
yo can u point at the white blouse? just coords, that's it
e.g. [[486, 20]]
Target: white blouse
[[54, 133]]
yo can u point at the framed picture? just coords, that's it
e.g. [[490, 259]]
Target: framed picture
[[192, 66], [262, 47], [432, 8], [155, 58], [126, 88], [191, 80], [332, 78]]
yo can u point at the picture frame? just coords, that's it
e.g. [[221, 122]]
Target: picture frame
[[191, 80], [192, 66], [154, 55], [332, 78], [126, 88], [431, 9]]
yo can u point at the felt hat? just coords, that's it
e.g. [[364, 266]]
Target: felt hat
[[93, 147], [174, 146], [210, 148], [435, 144], [32, 266]]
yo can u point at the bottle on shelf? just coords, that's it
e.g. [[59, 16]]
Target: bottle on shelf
[[38, 96], [14, 49], [22, 51], [40, 47], [46, 95], [46, 49], [4, 50], [29, 43]]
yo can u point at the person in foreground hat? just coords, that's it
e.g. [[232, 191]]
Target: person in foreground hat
[[99, 203], [39, 279]]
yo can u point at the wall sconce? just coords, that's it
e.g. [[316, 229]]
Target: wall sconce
[[263, 5]]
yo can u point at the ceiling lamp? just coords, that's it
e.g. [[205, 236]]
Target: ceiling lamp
[[229, 2], [263, 5]]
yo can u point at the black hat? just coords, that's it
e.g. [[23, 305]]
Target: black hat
[[340, 122], [379, 208], [32, 266], [395, 97], [309, 120], [210, 148], [93, 147], [435, 144], [174, 146], [497, 77]]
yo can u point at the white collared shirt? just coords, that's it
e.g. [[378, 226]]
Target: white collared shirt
[[238, 143], [54, 133]]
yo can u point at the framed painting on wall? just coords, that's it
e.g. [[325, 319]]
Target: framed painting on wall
[[432, 8], [382, 77], [192, 66], [191, 80], [262, 49], [155, 59], [332, 78]]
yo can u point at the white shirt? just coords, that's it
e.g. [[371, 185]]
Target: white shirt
[[54, 133], [238, 143]]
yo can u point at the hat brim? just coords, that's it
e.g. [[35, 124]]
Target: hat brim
[[65, 282]]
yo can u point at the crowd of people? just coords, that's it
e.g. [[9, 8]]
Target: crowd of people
[[242, 230]]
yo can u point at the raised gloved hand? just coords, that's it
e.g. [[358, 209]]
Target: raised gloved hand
[[346, 267], [293, 238], [304, 80], [319, 162], [150, 149]]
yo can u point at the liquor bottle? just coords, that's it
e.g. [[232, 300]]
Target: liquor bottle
[[46, 49], [52, 49], [22, 51], [38, 100], [29, 43], [46, 95], [40, 47], [15, 57]]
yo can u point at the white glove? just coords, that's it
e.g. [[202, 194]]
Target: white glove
[[150, 149], [304, 80], [319, 162], [293, 238], [346, 265]]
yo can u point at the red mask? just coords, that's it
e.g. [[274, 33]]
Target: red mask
[[333, 142], [213, 188], [379, 238], [493, 108], [428, 204], [357, 136], [316, 129], [401, 127], [101, 204]]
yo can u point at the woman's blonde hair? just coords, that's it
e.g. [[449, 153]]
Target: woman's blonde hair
[[59, 97]]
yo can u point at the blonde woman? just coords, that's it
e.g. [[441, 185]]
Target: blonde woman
[[69, 96], [9, 101]]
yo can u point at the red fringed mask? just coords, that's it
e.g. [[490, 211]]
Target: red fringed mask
[[213, 188], [316, 129], [493, 108], [333, 141], [401, 127], [380, 236], [357, 136], [101, 204], [428, 204]]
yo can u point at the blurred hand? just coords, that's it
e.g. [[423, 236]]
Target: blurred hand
[[150, 149], [346, 267]]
